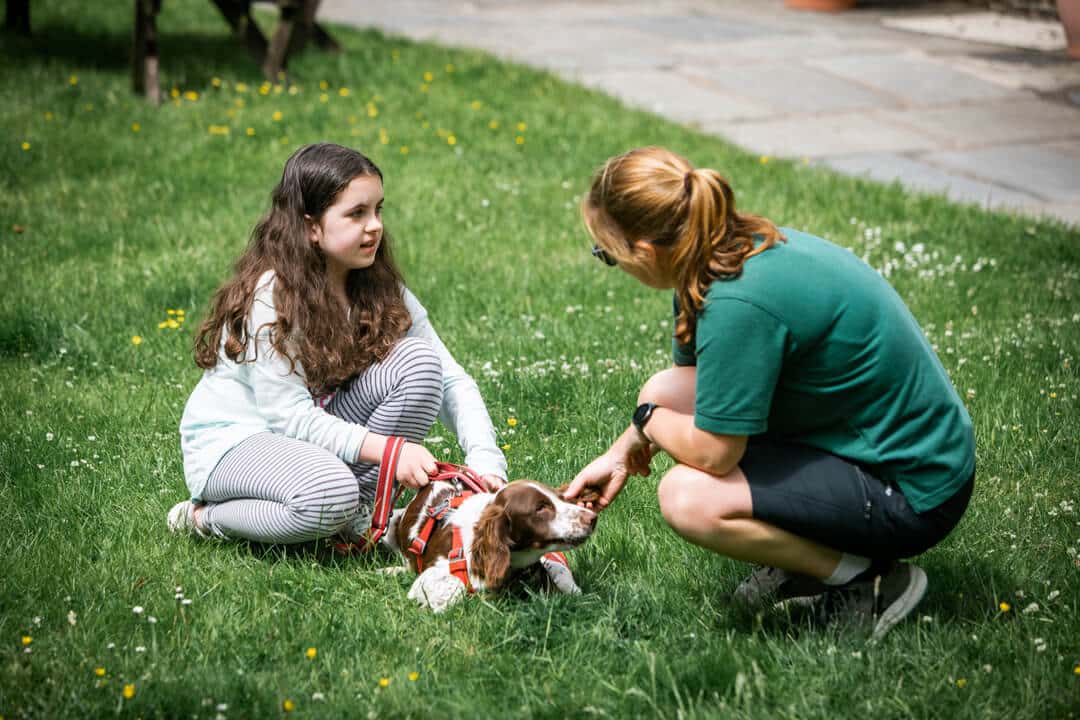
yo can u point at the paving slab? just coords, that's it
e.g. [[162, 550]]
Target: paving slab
[[672, 95], [914, 78], [1044, 169], [987, 27], [996, 123], [828, 135], [797, 89], [921, 175]]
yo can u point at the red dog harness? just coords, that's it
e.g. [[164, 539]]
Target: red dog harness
[[467, 484]]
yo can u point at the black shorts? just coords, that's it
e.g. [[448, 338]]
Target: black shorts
[[830, 500]]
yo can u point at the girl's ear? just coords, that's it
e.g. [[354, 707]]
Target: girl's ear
[[491, 546], [314, 230]]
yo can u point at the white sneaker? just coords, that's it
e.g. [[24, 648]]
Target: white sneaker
[[181, 519]]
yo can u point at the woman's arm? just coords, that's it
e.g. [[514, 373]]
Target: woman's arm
[[688, 444]]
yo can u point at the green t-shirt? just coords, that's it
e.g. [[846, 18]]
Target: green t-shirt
[[812, 345]]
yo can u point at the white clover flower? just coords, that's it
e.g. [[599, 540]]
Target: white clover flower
[[72, 617], [1032, 608], [49, 437], [140, 648], [185, 601], [138, 609], [151, 619]]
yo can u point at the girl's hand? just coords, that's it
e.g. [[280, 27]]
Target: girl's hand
[[414, 466], [493, 482]]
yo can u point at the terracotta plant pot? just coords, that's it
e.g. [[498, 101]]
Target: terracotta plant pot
[[828, 5], [1069, 12]]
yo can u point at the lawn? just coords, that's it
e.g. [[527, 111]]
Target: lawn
[[117, 221]]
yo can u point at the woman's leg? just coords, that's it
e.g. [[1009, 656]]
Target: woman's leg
[[399, 396], [275, 489]]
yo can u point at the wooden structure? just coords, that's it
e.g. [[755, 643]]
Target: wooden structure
[[294, 28]]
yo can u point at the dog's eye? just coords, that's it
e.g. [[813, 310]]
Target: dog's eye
[[544, 508]]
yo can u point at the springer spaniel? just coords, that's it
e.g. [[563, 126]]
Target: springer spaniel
[[503, 535]]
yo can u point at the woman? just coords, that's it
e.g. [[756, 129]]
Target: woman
[[814, 429]]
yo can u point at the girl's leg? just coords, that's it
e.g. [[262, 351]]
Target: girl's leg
[[399, 396], [275, 489]]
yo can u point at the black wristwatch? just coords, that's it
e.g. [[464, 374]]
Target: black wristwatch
[[642, 414]]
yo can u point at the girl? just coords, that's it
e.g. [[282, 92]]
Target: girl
[[814, 429], [314, 353]]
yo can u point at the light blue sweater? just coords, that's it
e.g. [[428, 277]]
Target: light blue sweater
[[234, 401]]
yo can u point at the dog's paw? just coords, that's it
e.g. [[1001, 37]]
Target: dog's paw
[[393, 570], [560, 576], [437, 589]]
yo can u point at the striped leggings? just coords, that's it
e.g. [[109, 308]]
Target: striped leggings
[[275, 489]]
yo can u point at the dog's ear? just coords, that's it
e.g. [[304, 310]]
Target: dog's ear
[[587, 495], [491, 546]]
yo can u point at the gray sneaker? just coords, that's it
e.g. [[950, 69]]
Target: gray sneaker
[[884, 599], [768, 585]]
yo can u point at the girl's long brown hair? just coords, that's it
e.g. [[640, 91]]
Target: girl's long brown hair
[[656, 195], [331, 343]]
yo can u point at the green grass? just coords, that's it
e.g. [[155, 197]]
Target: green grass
[[118, 227]]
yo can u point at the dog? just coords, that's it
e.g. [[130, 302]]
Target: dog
[[483, 541]]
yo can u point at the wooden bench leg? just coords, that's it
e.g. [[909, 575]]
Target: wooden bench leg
[[238, 14], [145, 64], [17, 17]]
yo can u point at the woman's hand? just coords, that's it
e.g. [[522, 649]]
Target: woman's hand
[[493, 482], [414, 466]]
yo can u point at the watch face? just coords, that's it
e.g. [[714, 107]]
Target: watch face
[[642, 413]]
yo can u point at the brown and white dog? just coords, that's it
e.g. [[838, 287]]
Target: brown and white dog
[[503, 534]]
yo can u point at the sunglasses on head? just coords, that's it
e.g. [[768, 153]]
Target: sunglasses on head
[[598, 252]]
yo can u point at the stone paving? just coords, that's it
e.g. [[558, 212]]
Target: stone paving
[[981, 123]]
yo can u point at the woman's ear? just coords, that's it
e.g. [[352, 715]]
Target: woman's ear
[[491, 546]]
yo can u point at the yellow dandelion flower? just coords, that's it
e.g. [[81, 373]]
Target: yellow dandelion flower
[[451, 140], [806, 161], [764, 159], [426, 124], [519, 140], [311, 653], [522, 127], [48, 115], [216, 82], [25, 146], [264, 89], [323, 84], [180, 312], [163, 324], [172, 324], [288, 705], [135, 127], [384, 682], [239, 102], [294, 90], [240, 87], [99, 671], [476, 104], [1004, 606], [170, 311], [961, 682], [423, 87], [395, 55], [506, 446], [191, 95], [276, 117], [250, 131], [512, 422], [1076, 670], [73, 80], [174, 93], [428, 77], [324, 98], [343, 92], [1053, 395], [136, 339], [404, 149], [278, 89], [372, 111], [413, 676], [494, 124], [129, 691], [219, 129], [450, 68], [26, 640]]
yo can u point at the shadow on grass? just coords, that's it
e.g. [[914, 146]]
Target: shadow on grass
[[187, 58]]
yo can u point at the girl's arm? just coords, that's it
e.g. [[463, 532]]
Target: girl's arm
[[463, 410]]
